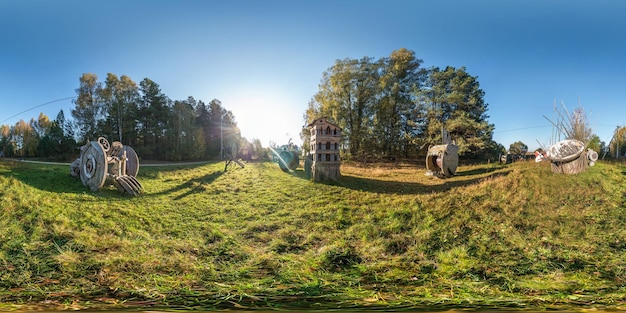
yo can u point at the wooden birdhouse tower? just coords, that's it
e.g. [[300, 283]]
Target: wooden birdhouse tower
[[324, 150]]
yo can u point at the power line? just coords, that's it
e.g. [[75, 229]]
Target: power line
[[523, 128], [37, 106], [539, 126]]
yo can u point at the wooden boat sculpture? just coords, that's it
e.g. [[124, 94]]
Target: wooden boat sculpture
[[566, 150]]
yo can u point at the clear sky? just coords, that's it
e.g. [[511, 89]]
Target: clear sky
[[264, 59]]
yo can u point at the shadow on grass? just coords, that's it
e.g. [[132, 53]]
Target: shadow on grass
[[153, 170], [53, 178], [195, 185], [403, 188], [462, 178], [56, 178], [477, 171]]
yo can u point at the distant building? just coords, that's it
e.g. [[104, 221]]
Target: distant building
[[324, 150]]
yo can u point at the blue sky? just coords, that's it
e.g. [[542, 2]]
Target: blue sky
[[265, 59]]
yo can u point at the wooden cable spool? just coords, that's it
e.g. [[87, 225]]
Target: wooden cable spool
[[442, 160], [93, 166]]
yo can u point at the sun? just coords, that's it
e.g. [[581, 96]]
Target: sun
[[266, 114]]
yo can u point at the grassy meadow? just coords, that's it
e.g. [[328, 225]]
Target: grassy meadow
[[383, 237]]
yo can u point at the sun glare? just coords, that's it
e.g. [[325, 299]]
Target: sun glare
[[261, 114]]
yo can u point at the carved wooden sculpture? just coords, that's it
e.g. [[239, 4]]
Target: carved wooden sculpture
[[100, 162]]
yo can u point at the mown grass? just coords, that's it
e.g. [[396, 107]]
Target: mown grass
[[494, 236]]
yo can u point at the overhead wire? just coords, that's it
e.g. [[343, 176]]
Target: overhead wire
[[523, 128], [37, 106]]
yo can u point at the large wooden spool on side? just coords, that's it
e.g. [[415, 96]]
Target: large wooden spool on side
[[93, 165], [442, 160]]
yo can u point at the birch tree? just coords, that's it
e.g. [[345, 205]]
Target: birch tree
[[88, 108]]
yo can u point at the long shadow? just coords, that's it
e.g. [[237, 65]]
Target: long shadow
[[462, 178], [153, 170], [53, 178], [380, 186], [56, 178], [403, 188], [195, 185], [477, 171]]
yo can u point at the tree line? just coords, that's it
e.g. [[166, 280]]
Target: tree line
[[392, 107], [388, 108], [138, 115]]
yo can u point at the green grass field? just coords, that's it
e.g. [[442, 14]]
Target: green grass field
[[383, 237]]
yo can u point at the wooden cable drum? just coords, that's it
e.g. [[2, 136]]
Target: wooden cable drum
[[442, 160], [93, 166]]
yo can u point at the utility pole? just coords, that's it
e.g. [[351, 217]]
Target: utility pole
[[119, 120], [616, 143]]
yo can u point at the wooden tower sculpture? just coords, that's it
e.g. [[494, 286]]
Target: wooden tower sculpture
[[324, 150]]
